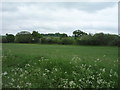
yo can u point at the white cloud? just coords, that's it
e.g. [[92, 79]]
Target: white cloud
[[55, 17]]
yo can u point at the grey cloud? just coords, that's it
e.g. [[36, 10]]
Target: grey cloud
[[89, 7], [85, 6], [57, 17]]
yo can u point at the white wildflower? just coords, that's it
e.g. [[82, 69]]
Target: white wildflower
[[12, 80], [27, 65], [21, 75], [98, 59], [55, 69], [115, 74], [29, 84], [44, 74], [111, 70], [65, 72], [104, 55], [103, 69], [18, 86], [71, 83], [74, 72], [47, 70], [110, 75], [80, 80], [5, 73]]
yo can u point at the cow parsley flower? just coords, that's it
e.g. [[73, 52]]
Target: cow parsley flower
[[5, 73]]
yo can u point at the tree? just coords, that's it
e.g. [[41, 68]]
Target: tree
[[10, 38], [63, 35], [4, 39], [23, 37], [86, 40], [57, 34], [78, 33], [100, 39], [36, 36], [67, 40]]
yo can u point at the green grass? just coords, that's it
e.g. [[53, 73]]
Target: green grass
[[59, 66]]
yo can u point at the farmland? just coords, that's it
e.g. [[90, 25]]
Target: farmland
[[59, 66]]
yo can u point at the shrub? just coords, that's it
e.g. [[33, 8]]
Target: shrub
[[23, 37], [4, 39], [86, 40], [67, 40], [10, 38]]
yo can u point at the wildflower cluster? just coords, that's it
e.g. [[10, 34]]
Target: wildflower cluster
[[44, 73]]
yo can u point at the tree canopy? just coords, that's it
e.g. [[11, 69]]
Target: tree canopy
[[79, 37]]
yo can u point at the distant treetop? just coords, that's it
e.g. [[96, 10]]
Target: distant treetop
[[23, 32]]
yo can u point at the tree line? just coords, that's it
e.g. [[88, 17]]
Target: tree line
[[78, 38]]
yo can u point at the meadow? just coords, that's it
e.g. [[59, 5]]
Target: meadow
[[59, 66]]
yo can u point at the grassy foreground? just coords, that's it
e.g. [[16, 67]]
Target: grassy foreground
[[59, 66]]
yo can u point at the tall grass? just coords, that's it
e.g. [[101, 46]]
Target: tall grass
[[55, 66]]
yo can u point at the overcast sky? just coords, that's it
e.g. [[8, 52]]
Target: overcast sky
[[63, 17]]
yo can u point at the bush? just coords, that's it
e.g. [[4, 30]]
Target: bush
[[86, 40], [36, 37], [23, 37], [10, 38], [67, 40], [51, 40], [4, 39], [115, 41], [106, 39]]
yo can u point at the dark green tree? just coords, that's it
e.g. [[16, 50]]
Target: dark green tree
[[63, 35], [36, 36], [86, 40], [78, 33], [23, 37], [4, 39], [10, 38]]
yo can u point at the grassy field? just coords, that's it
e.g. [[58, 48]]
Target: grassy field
[[59, 66]]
